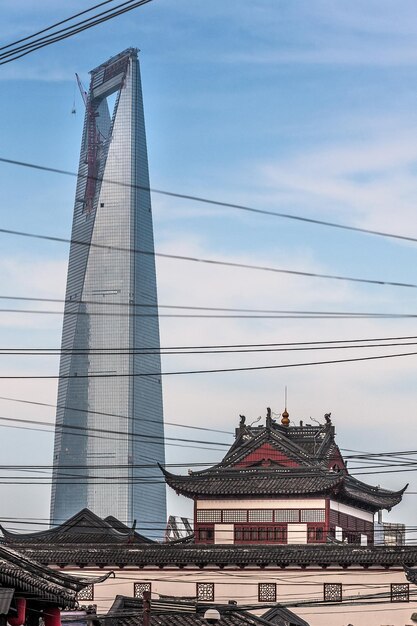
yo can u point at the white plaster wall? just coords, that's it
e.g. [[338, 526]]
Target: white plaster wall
[[293, 585], [308, 503], [350, 510], [297, 533], [224, 533]]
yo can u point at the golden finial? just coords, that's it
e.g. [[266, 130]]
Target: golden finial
[[285, 416]]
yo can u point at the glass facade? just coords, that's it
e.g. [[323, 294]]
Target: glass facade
[[106, 381]]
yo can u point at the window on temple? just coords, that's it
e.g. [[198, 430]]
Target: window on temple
[[259, 534], [281, 534], [87, 593], [206, 535], [209, 516], [332, 592], [315, 534], [283, 515], [267, 592], [263, 534], [260, 515], [139, 588], [400, 592], [205, 592], [234, 516], [313, 515]]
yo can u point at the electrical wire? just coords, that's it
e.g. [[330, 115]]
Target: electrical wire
[[295, 315], [355, 456], [212, 262], [212, 347], [106, 375], [44, 30], [150, 352], [219, 203], [134, 305], [72, 427], [117, 415], [18, 52]]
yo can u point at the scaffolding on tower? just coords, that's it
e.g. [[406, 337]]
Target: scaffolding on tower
[[93, 146]]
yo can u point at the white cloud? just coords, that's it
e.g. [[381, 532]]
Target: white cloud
[[42, 278], [372, 181]]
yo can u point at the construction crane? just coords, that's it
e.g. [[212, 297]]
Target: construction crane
[[93, 145], [83, 92]]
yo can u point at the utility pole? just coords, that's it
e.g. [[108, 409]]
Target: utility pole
[[146, 608]]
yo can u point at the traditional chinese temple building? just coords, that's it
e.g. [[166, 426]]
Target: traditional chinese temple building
[[279, 519], [282, 484]]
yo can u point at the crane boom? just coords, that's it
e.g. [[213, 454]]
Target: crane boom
[[93, 145], [83, 92]]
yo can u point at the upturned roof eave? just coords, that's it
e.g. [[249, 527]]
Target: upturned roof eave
[[70, 529]]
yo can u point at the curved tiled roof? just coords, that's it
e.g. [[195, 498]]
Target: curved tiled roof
[[254, 482], [129, 612], [280, 616], [201, 555], [276, 482], [28, 576], [372, 496], [83, 527]]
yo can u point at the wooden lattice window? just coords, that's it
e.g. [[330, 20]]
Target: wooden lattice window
[[205, 592], [400, 592], [206, 534], [86, 594], [267, 592], [332, 592], [139, 588], [315, 534]]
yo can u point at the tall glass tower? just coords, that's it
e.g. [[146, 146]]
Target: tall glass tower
[[109, 421]]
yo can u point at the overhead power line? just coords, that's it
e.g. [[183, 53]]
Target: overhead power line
[[117, 415], [44, 30], [139, 305], [227, 205], [90, 429], [14, 52], [220, 346], [146, 352], [279, 315], [213, 262], [209, 371]]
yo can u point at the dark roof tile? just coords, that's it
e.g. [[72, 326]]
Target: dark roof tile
[[235, 554]]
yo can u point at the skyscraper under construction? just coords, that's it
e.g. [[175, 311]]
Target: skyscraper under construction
[[109, 423]]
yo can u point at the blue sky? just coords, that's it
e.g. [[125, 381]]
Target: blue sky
[[302, 106]]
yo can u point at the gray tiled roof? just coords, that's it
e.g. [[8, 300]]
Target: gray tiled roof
[[272, 482], [83, 527], [21, 572], [128, 612], [411, 574], [201, 555], [281, 616]]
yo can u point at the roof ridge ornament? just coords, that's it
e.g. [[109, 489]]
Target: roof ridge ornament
[[285, 416], [268, 418]]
